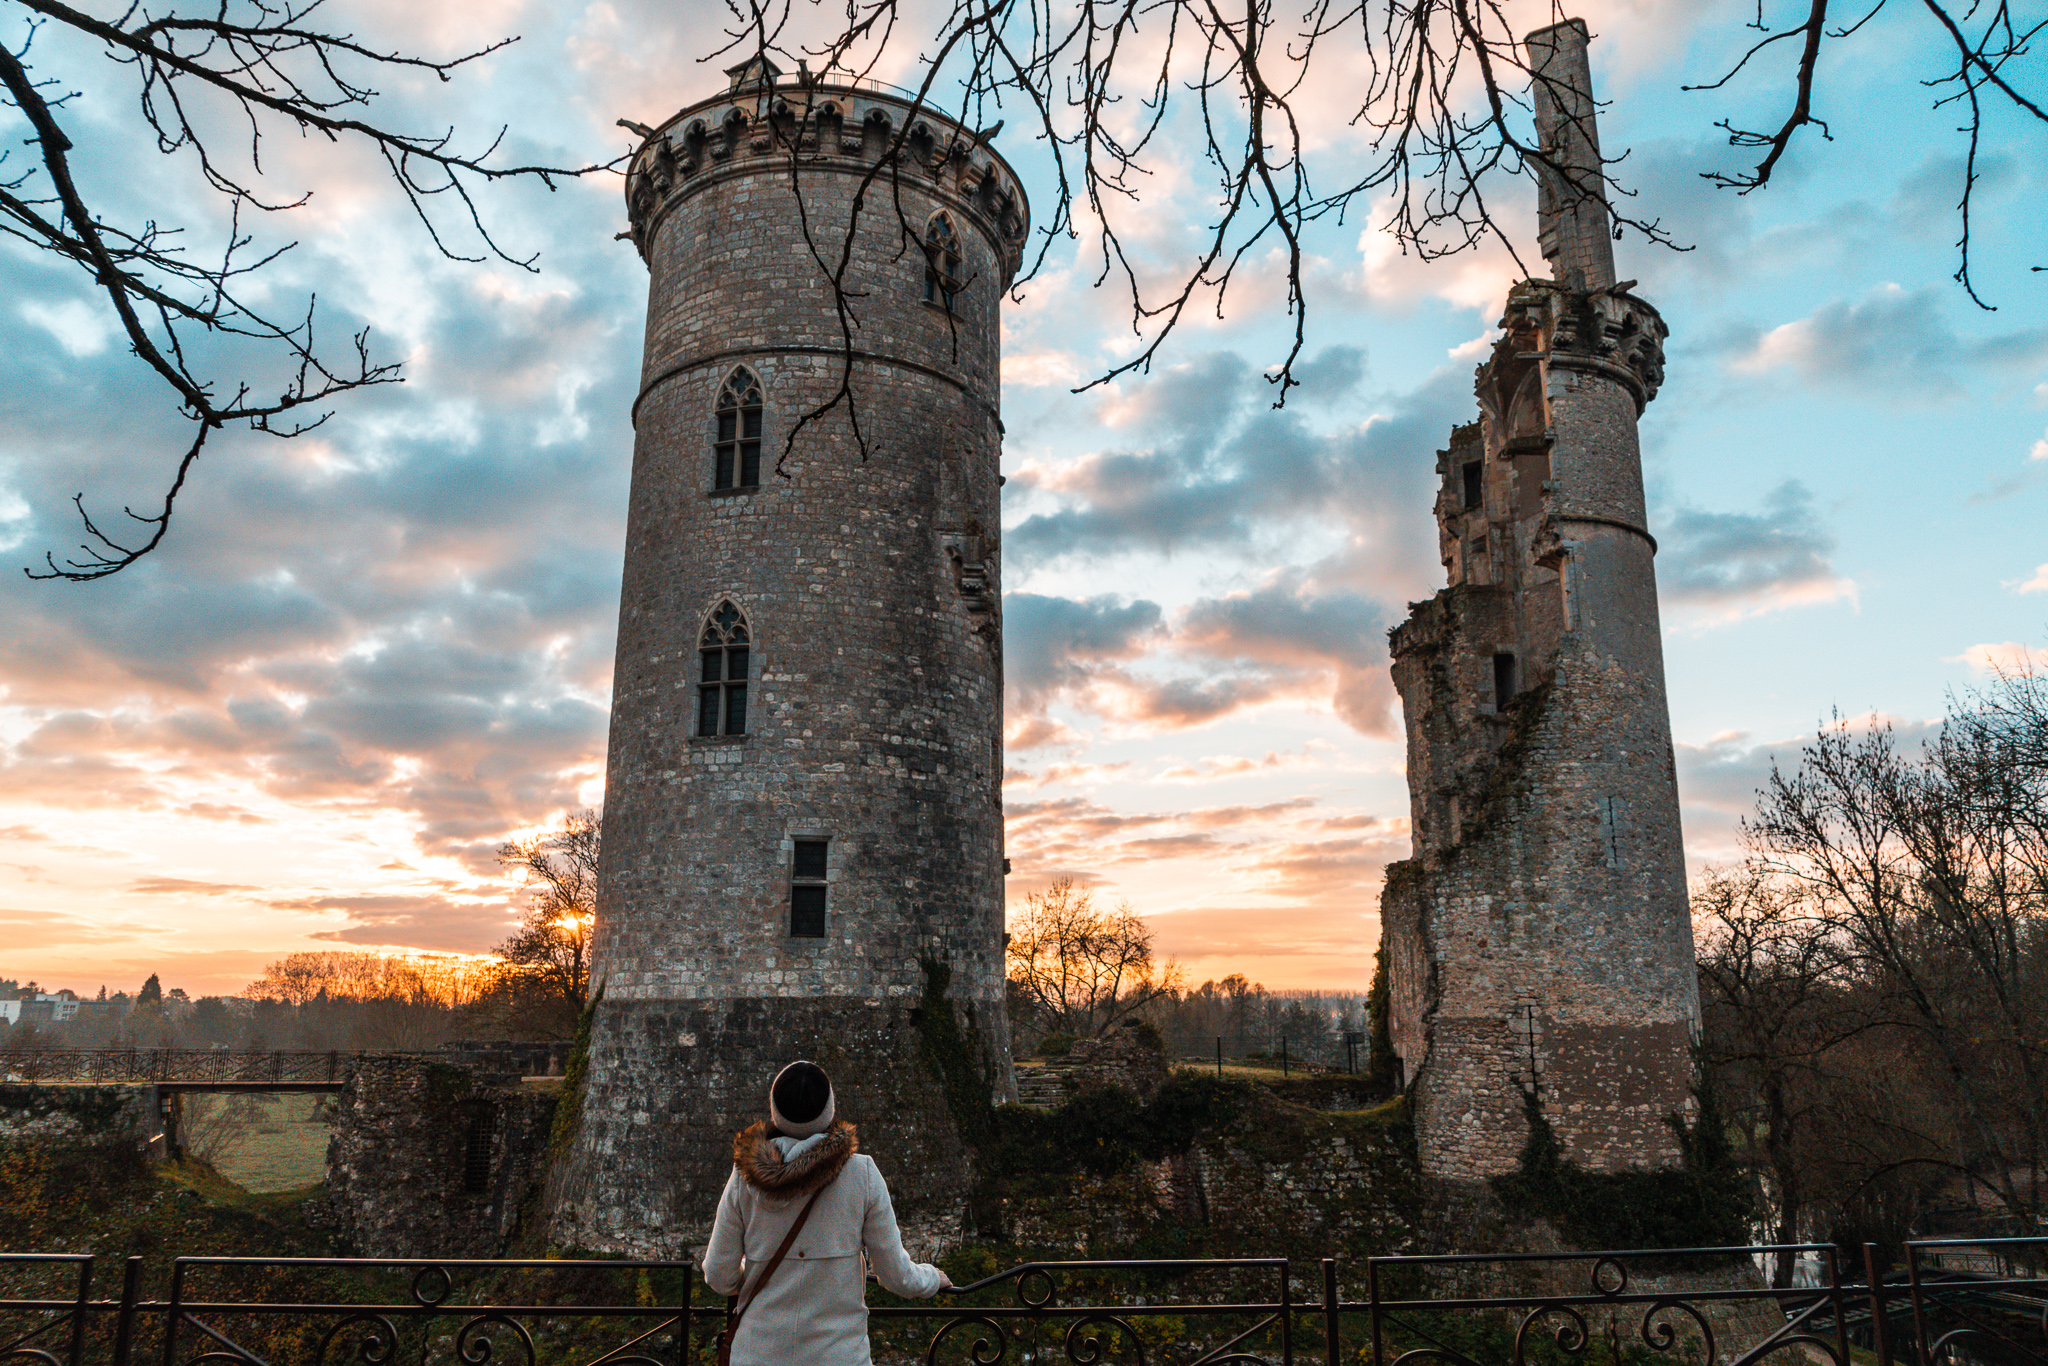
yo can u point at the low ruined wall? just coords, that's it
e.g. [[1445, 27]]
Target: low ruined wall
[[428, 1160], [1274, 1180], [120, 1116]]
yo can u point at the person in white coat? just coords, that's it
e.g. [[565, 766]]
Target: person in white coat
[[814, 1309]]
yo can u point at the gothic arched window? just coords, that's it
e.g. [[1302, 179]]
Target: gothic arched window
[[736, 454], [941, 262], [722, 684]]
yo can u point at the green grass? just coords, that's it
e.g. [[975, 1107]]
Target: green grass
[[286, 1150]]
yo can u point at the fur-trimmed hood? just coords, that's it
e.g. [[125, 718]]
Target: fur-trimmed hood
[[761, 1164]]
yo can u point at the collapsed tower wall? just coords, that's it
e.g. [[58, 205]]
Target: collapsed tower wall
[[803, 835], [1539, 937]]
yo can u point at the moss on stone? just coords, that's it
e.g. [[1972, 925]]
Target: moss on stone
[[569, 1105], [1704, 1201], [957, 1059]]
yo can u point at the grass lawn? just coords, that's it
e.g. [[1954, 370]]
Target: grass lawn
[[284, 1150]]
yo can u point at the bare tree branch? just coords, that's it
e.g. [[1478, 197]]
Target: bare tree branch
[[266, 62]]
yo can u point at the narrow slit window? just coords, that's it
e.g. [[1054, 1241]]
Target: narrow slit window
[[1610, 831], [1473, 491], [736, 452], [724, 653], [941, 262], [807, 890], [477, 1139], [1503, 681]]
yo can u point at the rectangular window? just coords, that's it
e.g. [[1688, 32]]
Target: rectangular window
[[728, 424], [1473, 492], [807, 890], [1503, 681], [750, 447], [476, 1149], [736, 695], [722, 691]]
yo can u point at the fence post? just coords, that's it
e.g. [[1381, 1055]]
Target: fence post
[[1835, 1300], [1330, 1343], [1286, 1314], [1914, 1290], [1880, 1328], [1219, 1057], [124, 1322], [1372, 1299], [171, 1312], [78, 1312]]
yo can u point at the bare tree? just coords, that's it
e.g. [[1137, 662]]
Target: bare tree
[[1779, 998], [210, 1125], [1078, 970], [1110, 88], [1934, 873], [212, 81], [560, 869]]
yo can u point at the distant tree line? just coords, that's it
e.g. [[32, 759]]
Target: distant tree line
[[533, 986], [1874, 979], [1077, 970]]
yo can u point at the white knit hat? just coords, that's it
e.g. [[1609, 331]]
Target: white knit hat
[[796, 1089]]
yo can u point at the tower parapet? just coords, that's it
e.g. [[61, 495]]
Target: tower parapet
[[803, 816], [1539, 940]]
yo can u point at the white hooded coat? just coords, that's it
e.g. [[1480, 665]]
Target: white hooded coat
[[815, 1308]]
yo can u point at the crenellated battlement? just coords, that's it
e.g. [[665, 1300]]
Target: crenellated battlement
[[827, 126], [1568, 326]]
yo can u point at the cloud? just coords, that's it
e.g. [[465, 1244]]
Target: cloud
[[181, 886], [422, 920], [2004, 657], [1895, 343], [1049, 643], [2037, 584], [1742, 563], [1288, 624]]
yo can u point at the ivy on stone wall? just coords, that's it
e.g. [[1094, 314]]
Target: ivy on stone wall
[[1381, 1069], [569, 1109], [1704, 1201], [957, 1058]]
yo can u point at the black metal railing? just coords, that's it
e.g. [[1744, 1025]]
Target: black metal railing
[[172, 1065], [1686, 1307]]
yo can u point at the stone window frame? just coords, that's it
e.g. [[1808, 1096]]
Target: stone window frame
[[810, 885], [943, 262], [732, 642], [739, 421]]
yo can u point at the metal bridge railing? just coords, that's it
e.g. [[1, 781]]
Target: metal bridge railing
[[1687, 1307], [171, 1065]]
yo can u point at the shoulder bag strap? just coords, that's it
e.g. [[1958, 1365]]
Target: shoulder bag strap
[[788, 1239]]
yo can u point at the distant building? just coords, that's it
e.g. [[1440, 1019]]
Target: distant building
[[41, 1008]]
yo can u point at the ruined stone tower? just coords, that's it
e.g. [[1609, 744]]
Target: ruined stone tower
[[803, 835], [1539, 936]]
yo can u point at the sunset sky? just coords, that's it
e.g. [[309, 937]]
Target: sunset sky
[[366, 657]]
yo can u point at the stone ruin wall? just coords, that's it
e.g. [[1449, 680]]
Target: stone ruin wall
[[433, 1159], [1540, 935]]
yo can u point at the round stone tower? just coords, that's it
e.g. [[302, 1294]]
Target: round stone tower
[[803, 819]]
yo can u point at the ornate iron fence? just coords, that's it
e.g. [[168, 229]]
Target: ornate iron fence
[[1691, 1307]]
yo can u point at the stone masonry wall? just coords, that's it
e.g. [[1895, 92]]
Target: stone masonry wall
[[867, 564], [1539, 940], [425, 1161]]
